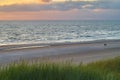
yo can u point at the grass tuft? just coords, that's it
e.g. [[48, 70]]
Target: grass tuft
[[102, 70]]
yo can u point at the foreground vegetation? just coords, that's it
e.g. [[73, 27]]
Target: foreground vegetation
[[102, 70]]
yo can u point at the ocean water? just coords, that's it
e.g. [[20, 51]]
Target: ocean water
[[25, 32]]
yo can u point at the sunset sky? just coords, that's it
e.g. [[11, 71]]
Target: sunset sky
[[59, 9]]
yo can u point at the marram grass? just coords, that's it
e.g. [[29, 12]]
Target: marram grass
[[102, 70]]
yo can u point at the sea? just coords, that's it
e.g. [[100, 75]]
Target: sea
[[30, 32]]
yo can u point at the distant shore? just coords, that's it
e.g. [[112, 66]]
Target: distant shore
[[76, 52]]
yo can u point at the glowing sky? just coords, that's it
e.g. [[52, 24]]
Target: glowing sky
[[12, 2], [59, 9]]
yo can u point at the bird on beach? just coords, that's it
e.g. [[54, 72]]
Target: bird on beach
[[105, 44]]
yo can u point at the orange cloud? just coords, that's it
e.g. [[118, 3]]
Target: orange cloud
[[12, 2]]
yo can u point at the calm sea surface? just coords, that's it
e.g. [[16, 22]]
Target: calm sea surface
[[19, 32]]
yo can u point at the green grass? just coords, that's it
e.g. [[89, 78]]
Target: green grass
[[102, 70]]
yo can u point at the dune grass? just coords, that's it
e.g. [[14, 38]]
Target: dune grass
[[102, 70]]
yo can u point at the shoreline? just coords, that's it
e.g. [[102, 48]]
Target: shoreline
[[78, 52], [39, 45]]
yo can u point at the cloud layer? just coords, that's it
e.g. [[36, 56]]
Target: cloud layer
[[63, 6]]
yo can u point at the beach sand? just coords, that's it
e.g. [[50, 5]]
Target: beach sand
[[78, 52]]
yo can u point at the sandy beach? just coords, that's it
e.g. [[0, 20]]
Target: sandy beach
[[61, 52]]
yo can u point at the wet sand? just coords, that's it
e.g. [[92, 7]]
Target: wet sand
[[61, 52]]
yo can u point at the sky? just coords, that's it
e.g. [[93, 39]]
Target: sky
[[59, 9]]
